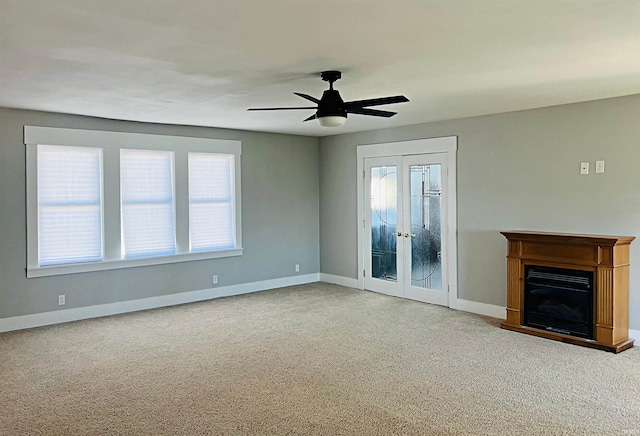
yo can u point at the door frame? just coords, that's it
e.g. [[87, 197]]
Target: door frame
[[447, 145]]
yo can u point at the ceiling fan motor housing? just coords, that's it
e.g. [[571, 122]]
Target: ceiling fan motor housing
[[331, 105], [331, 76]]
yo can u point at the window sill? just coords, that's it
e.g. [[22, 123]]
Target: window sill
[[57, 270]]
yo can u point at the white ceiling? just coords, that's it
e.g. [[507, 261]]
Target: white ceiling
[[204, 62]]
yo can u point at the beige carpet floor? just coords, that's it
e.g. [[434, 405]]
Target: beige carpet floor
[[304, 360]]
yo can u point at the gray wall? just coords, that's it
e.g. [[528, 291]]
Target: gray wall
[[280, 214], [516, 171]]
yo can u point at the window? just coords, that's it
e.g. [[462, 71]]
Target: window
[[211, 205], [69, 204], [147, 203], [105, 200]]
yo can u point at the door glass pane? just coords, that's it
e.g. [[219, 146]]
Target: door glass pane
[[384, 213], [426, 219]]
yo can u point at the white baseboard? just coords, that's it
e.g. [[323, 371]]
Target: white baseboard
[[458, 304], [339, 280], [66, 315], [481, 308]]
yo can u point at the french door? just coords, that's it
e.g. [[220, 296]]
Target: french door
[[405, 226]]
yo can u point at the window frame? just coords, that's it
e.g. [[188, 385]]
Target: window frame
[[111, 143]]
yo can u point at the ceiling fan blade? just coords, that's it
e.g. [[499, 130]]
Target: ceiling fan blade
[[279, 108], [308, 97], [312, 117], [371, 112], [376, 101]]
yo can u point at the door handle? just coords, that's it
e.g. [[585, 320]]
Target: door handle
[[406, 235], [399, 233]]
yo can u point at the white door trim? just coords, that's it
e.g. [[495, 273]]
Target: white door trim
[[448, 145]]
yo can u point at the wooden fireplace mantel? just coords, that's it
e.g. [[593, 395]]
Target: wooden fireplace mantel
[[606, 256]]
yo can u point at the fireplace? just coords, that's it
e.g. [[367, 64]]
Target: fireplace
[[570, 288], [559, 300]]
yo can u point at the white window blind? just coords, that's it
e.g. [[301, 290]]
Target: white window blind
[[147, 203], [211, 202], [69, 202]]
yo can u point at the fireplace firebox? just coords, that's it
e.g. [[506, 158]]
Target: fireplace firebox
[[559, 300], [570, 288]]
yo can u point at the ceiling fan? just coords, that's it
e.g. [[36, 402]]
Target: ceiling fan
[[332, 110]]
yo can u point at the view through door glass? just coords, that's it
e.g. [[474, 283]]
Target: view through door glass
[[384, 222], [426, 224]]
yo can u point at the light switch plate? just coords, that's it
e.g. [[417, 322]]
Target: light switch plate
[[584, 168]]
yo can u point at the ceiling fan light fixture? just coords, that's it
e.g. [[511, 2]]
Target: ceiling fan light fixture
[[332, 121]]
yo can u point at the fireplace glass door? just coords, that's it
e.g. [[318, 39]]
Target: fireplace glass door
[[559, 300]]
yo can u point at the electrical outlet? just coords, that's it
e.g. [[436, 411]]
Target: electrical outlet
[[297, 267], [61, 300], [599, 166], [215, 279]]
